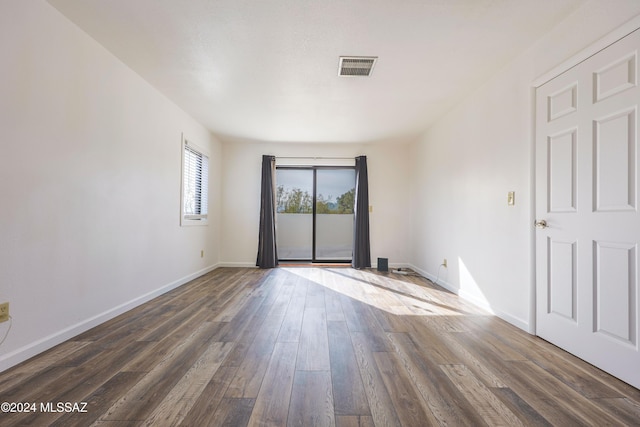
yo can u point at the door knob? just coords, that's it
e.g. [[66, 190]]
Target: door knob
[[540, 223]]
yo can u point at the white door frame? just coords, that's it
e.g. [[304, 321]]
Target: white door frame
[[625, 29]]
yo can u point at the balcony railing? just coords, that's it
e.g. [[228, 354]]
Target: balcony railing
[[334, 236]]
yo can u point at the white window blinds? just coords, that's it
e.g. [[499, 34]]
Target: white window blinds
[[195, 186]]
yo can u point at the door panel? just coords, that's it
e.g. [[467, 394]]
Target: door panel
[[587, 192], [615, 165], [615, 271], [562, 102], [294, 213], [615, 77], [562, 279], [335, 190], [562, 171]]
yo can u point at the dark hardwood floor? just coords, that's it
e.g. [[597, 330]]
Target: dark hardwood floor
[[315, 347]]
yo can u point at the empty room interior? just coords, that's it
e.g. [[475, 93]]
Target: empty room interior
[[340, 213]]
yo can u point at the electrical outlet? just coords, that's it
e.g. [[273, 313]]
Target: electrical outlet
[[4, 312], [202, 254], [444, 263]]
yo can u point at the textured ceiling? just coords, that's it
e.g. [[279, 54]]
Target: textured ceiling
[[268, 70]]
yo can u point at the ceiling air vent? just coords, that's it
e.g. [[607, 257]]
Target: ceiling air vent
[[356, 65]]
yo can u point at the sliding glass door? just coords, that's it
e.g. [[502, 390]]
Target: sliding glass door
[[314, 213]]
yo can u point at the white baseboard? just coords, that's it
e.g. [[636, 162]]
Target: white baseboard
[[238, 264], [396, 265], [518, 323], [391, 265], [253, 265], [21, 354]]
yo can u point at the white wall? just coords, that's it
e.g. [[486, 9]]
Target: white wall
[[90, 162], [465, 164], [387, 164]]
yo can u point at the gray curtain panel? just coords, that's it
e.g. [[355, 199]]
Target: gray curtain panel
[[267, 251], [361, 244]]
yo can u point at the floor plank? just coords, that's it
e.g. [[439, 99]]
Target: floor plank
[[348, 390], [292, 323], [250, 372], [489, 406], [232, 412], [311, 400], [380, 403], [313, 350], [354, 421], [138, 403], [414, 410], [446, 402], [203, 410], [272, 403], [179, 401]]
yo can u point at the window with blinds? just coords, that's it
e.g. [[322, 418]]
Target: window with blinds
[[195, 188]]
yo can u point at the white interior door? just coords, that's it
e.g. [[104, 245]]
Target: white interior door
[[587, 159]]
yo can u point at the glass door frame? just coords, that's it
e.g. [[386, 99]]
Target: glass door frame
[[314, 213]]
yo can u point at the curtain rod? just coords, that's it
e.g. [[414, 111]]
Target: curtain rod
[[315, 158]]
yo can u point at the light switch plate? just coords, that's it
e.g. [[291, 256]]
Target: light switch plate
[[511, 198], [4, 312]]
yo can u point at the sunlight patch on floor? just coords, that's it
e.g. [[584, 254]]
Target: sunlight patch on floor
[[398, 297]]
